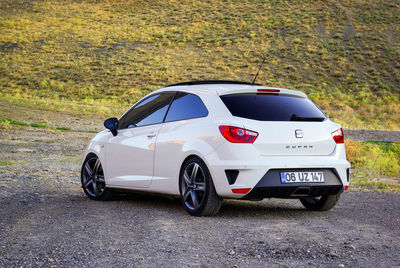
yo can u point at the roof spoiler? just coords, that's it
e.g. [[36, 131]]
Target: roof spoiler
[[207, 82]]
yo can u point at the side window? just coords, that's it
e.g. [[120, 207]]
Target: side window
[[186, 106], [148, 112]]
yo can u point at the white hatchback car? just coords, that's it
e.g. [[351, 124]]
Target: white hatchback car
[[209, 140]]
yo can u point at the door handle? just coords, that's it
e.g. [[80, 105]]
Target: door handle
[[151, 135]]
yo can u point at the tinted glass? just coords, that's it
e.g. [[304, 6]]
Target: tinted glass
[[186, 106], [266, 107], [150, 111]]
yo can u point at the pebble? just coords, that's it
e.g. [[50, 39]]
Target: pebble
[[23, 150], [333, 255]]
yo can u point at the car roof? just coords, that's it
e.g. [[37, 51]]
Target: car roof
[[224, 87]]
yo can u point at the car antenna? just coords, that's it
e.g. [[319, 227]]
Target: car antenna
[[254, 80]]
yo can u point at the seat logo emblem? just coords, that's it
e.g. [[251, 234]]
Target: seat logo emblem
[[299, 133]]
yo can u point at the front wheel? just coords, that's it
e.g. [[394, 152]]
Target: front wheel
[[198, 195], [92, 179], [322, 203]]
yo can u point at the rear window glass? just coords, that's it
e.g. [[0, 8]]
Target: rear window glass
[[268, 107]]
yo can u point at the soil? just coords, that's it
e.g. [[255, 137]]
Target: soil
[[46, 220]]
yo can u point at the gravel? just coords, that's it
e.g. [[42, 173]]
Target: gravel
[[365, 135], [46, 220]]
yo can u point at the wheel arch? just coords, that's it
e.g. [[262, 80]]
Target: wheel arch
[[90, 154], [97, 149]]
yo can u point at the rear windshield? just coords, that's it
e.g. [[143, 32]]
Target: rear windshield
[[267, 107]]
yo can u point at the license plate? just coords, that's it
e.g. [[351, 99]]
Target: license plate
[[302, 177]]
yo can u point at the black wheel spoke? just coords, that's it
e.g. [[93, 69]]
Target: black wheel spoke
[[96, 190], [100, 178], [200, 186], [187, 179], [96, 166], [194, 172], [88, 183], [89, 171], [186, 195], [195, 201]]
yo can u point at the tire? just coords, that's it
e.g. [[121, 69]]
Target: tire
[[323, 203], [92, 179], [198, 195]]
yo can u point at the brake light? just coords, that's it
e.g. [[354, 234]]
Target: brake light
[[238, 135], [268, 90], [346, 188], [338, 136]]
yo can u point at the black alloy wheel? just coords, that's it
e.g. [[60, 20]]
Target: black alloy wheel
[[92, 178], [198, 195]]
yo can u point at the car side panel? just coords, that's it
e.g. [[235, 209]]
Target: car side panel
[[129, 157], [176, 141]]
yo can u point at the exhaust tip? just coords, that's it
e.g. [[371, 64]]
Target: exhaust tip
[[302, 191]]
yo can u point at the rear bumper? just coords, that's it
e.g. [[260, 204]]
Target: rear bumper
[[255, 173], [270, 185]]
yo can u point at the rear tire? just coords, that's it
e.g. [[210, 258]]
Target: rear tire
[[322, 203], [198, 195]]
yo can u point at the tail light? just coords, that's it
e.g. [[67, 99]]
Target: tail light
[[338, 136], [238, 135]]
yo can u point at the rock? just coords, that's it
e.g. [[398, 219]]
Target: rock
[[351, 247], [333, 255], [24, 150]]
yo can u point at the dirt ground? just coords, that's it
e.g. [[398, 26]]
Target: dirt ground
[[46, 220]]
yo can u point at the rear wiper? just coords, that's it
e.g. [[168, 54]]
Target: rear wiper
[[294, 117]]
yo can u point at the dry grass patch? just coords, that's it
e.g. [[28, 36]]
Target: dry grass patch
[[343, 53], [375, 164]]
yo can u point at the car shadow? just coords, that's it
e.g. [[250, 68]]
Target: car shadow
[[271, 207], [266, 207]]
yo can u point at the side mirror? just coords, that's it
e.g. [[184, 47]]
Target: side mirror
[[112, 125]]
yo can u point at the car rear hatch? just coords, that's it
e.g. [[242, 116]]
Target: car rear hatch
[[287, 122]]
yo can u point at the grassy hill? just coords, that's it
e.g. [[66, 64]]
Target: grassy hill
[[100, 56]]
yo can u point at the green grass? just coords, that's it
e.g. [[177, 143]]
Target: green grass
[[101, 55], [18, 123], [5, 163], [375, 164], [44, 180], [4, 123]]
